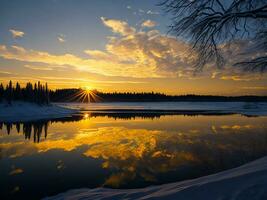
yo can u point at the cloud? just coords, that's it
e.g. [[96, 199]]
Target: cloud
[[141, 11], [133, 53], [16, 33], [118, 26], [255, 88], [235, 75], [149, 23], [97, 66], [150, 12], [5, 74], [39, 68], [61, 38]]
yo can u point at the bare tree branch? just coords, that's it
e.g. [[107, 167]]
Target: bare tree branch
[[208, 24]]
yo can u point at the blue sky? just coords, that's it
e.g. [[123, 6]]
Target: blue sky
[[80, 23]]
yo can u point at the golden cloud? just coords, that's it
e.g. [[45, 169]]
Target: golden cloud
[[148, 23], [16, 33], [118, 26], [138, 54], [131, 54]]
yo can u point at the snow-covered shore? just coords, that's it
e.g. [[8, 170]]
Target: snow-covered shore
[[22, 111], [246, 182], [244, 108]]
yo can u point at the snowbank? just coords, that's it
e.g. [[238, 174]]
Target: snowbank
[[22, 111], [246, 182]]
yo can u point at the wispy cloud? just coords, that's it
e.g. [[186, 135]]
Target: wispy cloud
[[141, 11], [16, 33], [61, 38], [148, 23], [242, 77], [150, 12], [4, 74], [39, 68], [255, 88]]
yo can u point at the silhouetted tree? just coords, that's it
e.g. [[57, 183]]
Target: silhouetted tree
[[207, 24], [2, 90], [47, 100], [39, 94], [35, 91], [17, 92], [29, 95], [9, 92], [18, 127]]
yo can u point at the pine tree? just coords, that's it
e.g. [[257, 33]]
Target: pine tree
[[35, 93], [9, 92], [2, 90], [29, 93], [38, 92], [17, 93], [47, 94]]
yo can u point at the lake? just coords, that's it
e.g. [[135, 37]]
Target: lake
[[123, 150]]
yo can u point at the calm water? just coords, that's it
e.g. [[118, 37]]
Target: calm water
[[43, 158]]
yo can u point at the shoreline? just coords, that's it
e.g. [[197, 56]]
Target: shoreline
[[203, 108], [24, 111], [236, 183]]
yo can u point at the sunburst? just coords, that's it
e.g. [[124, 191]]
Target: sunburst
[[86, 95]]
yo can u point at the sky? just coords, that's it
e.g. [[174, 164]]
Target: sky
[[118, 45]]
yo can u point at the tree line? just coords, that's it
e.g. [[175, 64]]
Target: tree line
[[33, 92], [40, 94], [74, 94]]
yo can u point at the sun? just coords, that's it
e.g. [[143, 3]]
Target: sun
[[87, 95], [88, 88]]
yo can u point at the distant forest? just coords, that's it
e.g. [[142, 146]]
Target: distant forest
[[75, 95], [40, 94]]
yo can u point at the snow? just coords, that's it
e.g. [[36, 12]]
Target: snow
[[22, 111], [246, 182], [246, 108]]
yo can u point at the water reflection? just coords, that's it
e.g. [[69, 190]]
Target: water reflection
[[35, 129], [123, 151], [40, 127]]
